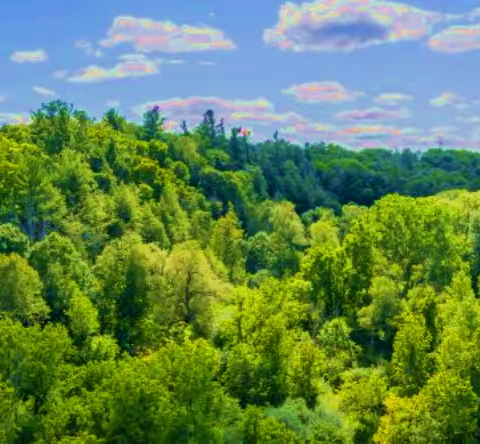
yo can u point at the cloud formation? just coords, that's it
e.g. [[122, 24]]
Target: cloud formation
[[345, 25], [449, 98], [60, 73], [456, 39], [474, 14], [206, 63], [132, 65], [369, 131], [327, 91], [392, 99], [197, 106], [234, 112], [36, 56], [470, 119], [44, 91], [288, 118], [14, 118], [443, 129], [309, 130], [148, 35], [173, 61], [372, 114]]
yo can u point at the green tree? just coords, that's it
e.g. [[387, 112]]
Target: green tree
[[21, 290], [114, 119], [411, 362], [152, 124], [228, 244], [12, 240]]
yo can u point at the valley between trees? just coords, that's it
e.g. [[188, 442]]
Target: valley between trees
[[201, 288]]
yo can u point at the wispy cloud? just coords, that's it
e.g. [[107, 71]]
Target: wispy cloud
[[191, 109], [469, 119], [148, 35], [44, 91], [449, 98], [370, 130], [173, 61], [36, 56], [456, 39], [86, 46], [206, 63], [309, 130], [474, 14], [132, 65], [200, 104], [392, 99], [327, 91], [60, 74], [288, 118], [372, 114], [14, 118], [344, 25]]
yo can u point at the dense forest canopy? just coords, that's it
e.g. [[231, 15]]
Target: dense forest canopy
[[200, 288]]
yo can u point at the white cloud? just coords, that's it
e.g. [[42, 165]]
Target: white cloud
[[60, 74], [173, 61], [29, 56], [325, 91], [449, 98], [44, 91], [131, 65], [470, 119], [392, 98], [206, 63], [14, 118], [147, 35], [344, 25]]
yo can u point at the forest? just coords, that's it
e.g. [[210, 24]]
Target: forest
[[196, 287]]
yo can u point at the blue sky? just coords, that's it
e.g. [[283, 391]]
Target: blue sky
[[360, 72]]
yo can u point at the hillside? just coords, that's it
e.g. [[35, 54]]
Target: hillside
[[197, 287]]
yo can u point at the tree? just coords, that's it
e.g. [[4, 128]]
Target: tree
[[410, 360], [361, 396], [82, 316], [228, 244], [114, 119], [63, 272], [12, 240], [441, 412], [51, 126], [323, 268], [31, 359], [378, 317], [287, 236], [259, 337], [153, 124], [21, 290], [15, 414], [192, 286]]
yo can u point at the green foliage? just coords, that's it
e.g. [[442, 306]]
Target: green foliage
[[12, 240], [21, 290], [202, 288], [410, 359]]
